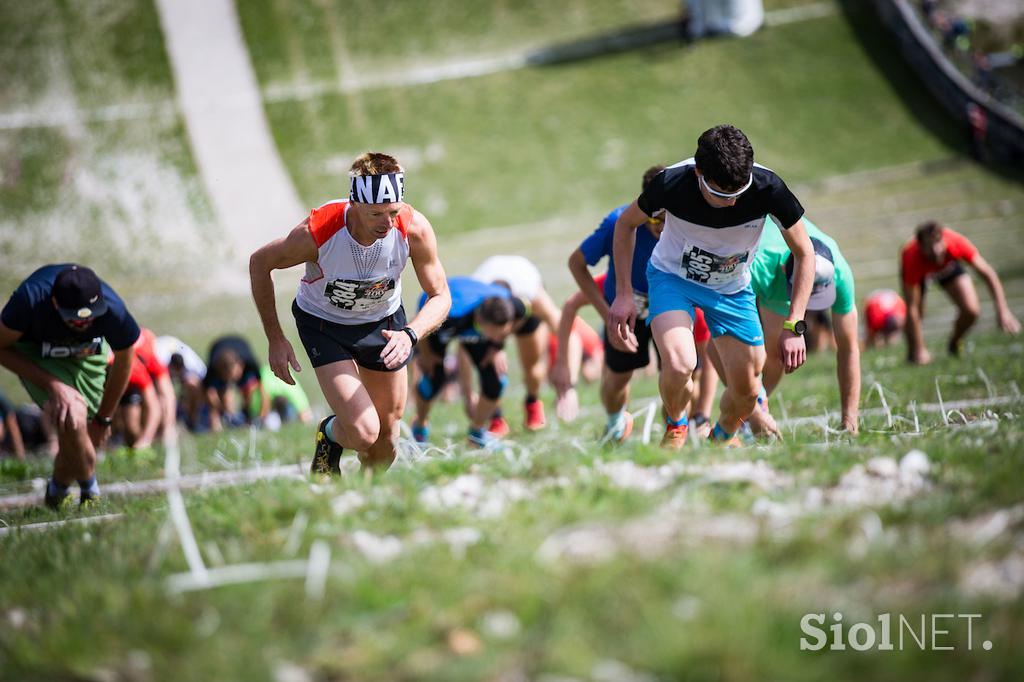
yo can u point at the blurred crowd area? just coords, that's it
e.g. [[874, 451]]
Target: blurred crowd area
[[171, 386], [987, 48]]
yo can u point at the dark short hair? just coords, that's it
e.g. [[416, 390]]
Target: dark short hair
[[223, 361], [929, 229], [649, 175], [497, 310], [725, 157]]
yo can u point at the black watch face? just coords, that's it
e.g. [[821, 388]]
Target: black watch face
[[800, 327]]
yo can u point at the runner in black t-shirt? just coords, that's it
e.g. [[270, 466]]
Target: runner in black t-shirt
[[52, 335], [232, 364], [715, 208]]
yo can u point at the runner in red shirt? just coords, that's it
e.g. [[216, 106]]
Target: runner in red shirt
[[884, 316], [138, 414], [938, 252]]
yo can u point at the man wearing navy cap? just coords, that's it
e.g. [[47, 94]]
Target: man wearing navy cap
[[52, 335]]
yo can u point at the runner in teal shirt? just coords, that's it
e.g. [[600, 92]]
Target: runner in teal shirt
[[833, 290]]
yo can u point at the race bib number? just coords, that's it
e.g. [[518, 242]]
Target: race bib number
[[359, 296], [75, 350], [710, 268], [642, 304]]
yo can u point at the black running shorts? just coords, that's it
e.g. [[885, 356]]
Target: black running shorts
[[326, 342], [620, 361]]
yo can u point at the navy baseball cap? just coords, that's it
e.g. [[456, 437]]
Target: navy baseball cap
[[823, 294], [79, 294]]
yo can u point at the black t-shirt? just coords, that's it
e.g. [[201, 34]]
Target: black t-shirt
[[30, 311], [711, 246], [250, 371]]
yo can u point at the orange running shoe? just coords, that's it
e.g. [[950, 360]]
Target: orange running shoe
[[499, 427], [675, 437], [535, 416]]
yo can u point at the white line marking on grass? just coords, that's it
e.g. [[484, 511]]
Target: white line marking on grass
[[49, 525], [199, 481], [649, 420], [172, 462], [237, 574], [940, 407], [295, 531], [316, 569], [885, 406]]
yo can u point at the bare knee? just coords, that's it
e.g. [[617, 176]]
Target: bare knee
[[359, 436], [970, 313], [678, 368]]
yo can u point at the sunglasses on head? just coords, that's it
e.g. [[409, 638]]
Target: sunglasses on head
[[727, 195]]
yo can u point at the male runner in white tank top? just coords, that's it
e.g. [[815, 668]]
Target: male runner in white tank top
[[715, 208], [348, 310]]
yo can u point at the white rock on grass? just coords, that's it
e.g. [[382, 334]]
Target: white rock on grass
[[983, 529], [500, 624], [582, 545], [616, 671], [471, 492], [627, 475], [378, 549], [882, 481], [1002, 580], [286, 671], [347, 502]]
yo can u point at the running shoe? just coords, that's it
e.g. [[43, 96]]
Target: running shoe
[[535, 416], [675, 437], [420, 432], [55, 503], [327, 458], [485, 440], [498, 427], [86, 501], [618, 431]]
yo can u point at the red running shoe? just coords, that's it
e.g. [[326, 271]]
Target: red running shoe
[[499, 427], [535, 420]]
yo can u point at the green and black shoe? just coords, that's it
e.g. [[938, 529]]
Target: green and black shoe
[[327, 458]]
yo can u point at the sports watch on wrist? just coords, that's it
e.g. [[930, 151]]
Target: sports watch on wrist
[[412, 334], [102, 421], [798, 327]]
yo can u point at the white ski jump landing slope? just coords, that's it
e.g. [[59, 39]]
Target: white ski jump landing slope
[[251, 191]]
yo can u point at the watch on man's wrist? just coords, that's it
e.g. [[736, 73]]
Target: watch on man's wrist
[[798, 327], [412, 334], [102, 421]]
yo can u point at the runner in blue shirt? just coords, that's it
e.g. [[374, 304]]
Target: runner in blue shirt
[[53, 332], [482, 316]]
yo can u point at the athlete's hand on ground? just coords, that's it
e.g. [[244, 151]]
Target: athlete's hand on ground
[[66, 407], [397, 349], [567, 406], [560, 378], [793, 349], [281, 357], [1008, 323], [621, 320], [921, 357]]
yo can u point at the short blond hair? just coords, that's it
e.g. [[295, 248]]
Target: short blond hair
[[374, 163]]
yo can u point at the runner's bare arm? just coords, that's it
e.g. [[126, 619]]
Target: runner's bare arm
[[848, 367], [622, 314], [546, 310], [117, 381], [1006, 320], [561, 376], [430, 273], [593, 294], [151, 415], [794, 347], [917, 354], [431, 276], [295, 248]]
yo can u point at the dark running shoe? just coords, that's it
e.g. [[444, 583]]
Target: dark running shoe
[[328, 453], [62, 503]]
